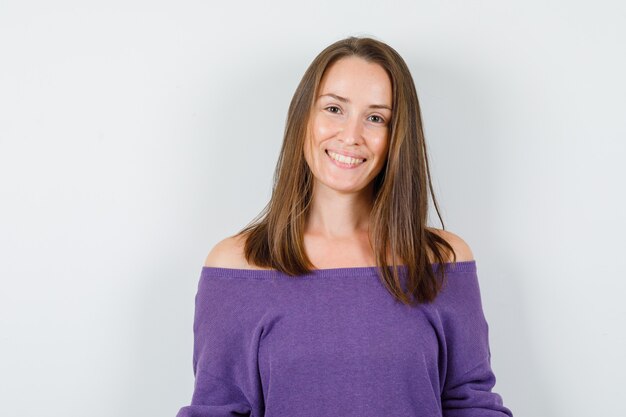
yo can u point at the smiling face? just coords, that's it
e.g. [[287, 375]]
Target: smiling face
[[349, 117]]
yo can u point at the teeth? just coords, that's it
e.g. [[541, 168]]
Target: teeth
[[345, 159]]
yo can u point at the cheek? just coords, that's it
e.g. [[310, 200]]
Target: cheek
[[323, 128], [379, 145]]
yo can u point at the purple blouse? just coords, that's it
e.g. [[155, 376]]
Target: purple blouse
[[336, 343]]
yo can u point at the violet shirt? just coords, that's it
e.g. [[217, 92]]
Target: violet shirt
[[335, 342]]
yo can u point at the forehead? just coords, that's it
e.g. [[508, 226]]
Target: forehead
[[356, 77]]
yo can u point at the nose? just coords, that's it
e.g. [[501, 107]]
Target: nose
[[351, 131]]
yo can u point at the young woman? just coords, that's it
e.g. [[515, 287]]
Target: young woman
[[339, 300]]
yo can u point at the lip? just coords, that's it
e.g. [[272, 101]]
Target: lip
[[341, 164], [345, 153]]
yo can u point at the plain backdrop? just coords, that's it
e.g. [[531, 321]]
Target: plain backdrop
[[134, 135]]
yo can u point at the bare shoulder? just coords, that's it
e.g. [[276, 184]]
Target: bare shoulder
[[228, 253], [461, 248]]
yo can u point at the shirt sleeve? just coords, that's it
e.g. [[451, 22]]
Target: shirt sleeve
[[467, 390], [224, 352]]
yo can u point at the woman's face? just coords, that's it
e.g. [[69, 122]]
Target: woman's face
[[349, 118]]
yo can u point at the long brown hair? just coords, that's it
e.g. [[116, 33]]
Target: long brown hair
[[274, 238]]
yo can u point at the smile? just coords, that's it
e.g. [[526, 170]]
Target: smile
[[344, 161]]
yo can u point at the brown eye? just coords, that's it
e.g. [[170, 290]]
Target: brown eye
[[333, 107]]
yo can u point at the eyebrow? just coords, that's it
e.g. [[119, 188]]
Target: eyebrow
[[345, 100]]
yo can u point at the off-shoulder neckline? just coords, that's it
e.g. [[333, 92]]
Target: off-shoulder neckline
[[223, 272]]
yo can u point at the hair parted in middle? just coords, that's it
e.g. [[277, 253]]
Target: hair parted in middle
[[398, 230]]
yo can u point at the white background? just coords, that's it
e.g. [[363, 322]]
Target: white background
[[136, 134]]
